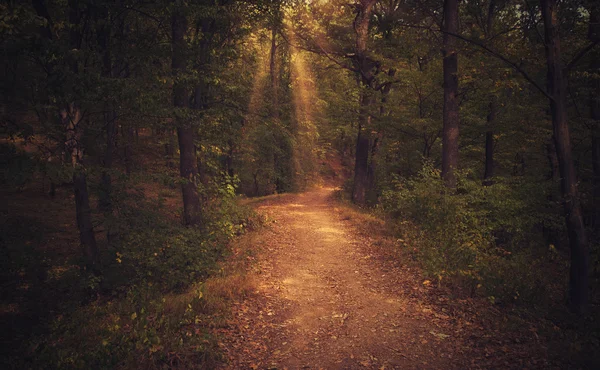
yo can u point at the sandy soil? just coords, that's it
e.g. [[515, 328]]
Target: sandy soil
[[323, 302]]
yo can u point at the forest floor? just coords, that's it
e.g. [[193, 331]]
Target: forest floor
[[327, 296]]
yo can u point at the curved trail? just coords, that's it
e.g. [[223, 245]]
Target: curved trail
[[322, 302]]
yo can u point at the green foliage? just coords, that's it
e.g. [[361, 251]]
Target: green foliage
[[152, 312], [482, 237], [146, 329]]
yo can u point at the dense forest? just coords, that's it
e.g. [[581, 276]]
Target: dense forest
[[135, 133]]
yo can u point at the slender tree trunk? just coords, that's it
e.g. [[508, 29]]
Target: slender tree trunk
[[229, 158], [371, 197], [361, 166], [491, 118], [71, 118], [111, 133], [273, 72], [451, 114], [188, 168], [84, 221], [105, 196], [594, 35], [256, 188], [365, 66], [110, 116], [376, 144], [579, 280], [201, 93], [489, 145]]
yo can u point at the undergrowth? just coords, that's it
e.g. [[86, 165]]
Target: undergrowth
[[485, 239], [161, 291]]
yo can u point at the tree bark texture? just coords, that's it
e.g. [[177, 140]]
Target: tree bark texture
[[450, 113], [365, 67], [361, 166], [188, 168], [594, 35], [84, 221], [273, 72], [579, 280]]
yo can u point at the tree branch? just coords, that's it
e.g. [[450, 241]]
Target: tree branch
[[580, 55], [492, 53]]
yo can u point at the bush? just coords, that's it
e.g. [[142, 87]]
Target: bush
[[152, 310], [484, 238]]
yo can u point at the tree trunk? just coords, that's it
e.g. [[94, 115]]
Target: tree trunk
[[105, 201], [70, 118], [273, 72], [84, 221], [451, 114], [579, 281], [361, 167], [188, 168], [365, 66], [594, 35], [103, 35], [371, 197], [489, 145]]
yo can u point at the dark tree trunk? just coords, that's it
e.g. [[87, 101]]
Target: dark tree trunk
[[188, 168], [451, 114], [579, 280], [200, 102], [273, 72], [109, 116], [365, 67], [229, 159], [489, 145], [376, 144], [361, 167], [105, 201], [256, 188], [71, 117], [84, 221], [371, 197], [594, 35]]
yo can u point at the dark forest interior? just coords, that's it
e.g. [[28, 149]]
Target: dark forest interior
[[149, 150]]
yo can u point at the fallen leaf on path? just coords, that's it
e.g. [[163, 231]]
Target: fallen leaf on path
[[439, 335]]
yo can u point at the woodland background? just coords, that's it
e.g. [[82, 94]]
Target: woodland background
[[132, 129]]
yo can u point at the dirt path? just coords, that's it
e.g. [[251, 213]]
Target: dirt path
[[322, 302]]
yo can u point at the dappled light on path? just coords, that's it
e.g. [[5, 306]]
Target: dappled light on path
[[320, 301]]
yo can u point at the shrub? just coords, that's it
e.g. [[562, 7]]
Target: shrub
[[485, 238], [153, 311]]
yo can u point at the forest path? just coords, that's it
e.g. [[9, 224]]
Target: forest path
[[323, 302]]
